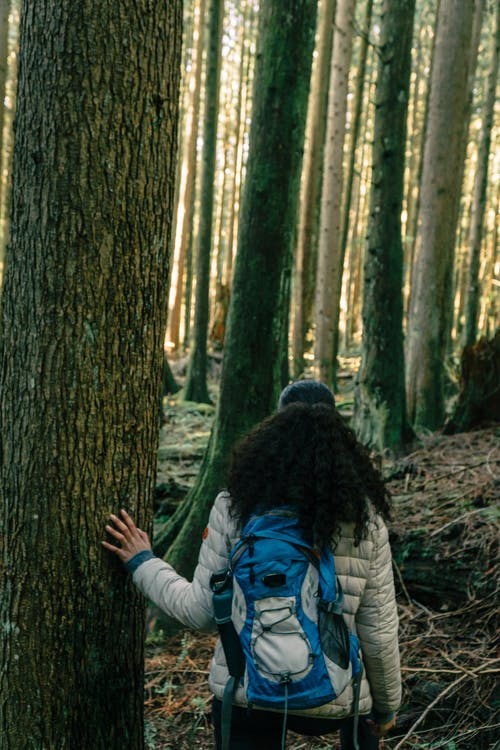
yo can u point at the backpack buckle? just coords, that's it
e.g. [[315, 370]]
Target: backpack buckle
[[221, 581]]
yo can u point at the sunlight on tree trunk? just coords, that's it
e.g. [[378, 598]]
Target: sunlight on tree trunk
[[306, 249], [195, 388], [330, 262], [480, 188], [430, 303]]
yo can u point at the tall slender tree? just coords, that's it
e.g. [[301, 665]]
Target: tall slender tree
[[256, 334], [430, 302], [83, 321], [306, 247], [358, 227], [5, 143], [4, 53], [196, 380], [426, 25], [191, 137], [480, 188], [330, 260], [380, 406], [357, 110], [243, 111]]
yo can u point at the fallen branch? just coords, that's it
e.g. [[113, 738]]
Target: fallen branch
[[429, 708], [461, 518]]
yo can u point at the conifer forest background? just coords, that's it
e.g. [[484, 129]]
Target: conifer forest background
[[200, 202]]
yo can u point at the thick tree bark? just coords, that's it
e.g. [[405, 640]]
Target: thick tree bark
[[195, 388], [253, 352], [84, 313], [330, 260], [380, 405], [430, 303]]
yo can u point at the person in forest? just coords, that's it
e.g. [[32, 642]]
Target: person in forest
[[306, 457]]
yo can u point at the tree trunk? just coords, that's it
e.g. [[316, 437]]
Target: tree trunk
[[356, 122], [251, 371], [430, 304], [168, 383], [8, 88], [380, 406], [4, 66], [480, 189], [479, 397], [84, 313], [191, 136], [490, 308], [417, 137], [243, 112], [330, 260], [358, 229], [305, 253], [188, 288], [195, 388]]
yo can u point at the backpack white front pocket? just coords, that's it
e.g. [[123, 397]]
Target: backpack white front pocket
[[278, 639]]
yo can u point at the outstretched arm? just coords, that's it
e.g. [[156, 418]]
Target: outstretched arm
[[188, 602]]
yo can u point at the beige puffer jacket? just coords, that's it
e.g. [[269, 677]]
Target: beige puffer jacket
[[365, 573]]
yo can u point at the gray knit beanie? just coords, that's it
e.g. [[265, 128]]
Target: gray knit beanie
[[306, 392]]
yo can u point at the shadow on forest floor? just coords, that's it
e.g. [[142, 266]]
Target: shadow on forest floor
[[445, 538]]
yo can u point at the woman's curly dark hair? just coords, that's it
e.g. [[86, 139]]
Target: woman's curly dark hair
[[305, 456]]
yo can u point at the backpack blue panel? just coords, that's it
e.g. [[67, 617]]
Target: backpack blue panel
[[277, 630]]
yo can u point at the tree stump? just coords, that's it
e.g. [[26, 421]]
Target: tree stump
[[479, 397]]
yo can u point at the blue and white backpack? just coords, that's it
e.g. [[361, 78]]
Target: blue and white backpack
[[279, 612]]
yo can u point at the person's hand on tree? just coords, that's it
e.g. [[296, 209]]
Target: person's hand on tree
[[132, 540]]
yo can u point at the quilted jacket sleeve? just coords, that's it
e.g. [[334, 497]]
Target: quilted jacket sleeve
[[377, 627], [191, 602]]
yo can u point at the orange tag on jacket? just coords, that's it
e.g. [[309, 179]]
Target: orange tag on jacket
[[205, 533]]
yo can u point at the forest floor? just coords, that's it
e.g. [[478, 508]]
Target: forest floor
[[446, 493]]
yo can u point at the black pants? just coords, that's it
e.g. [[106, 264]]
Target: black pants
[[252, 729]]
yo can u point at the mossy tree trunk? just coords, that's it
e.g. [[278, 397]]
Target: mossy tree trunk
[[256, 335], [196, 379], [84, 313], [380, 404]]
